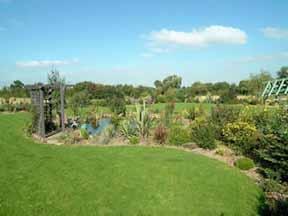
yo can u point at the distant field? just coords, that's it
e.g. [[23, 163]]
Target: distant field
[[182, 106], [179, 107]]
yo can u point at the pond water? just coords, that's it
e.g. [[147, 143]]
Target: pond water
[[102, 125]]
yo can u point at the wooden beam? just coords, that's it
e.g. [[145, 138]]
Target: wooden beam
[[41, 126], [62, 95]]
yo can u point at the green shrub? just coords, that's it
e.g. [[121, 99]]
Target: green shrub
[[203, 133], [84, 133], [117, 105], [272, 154], [160, 134], [244, 163], [193, 112], [178, 135], [241, 136], [134, 140], [221, 115], [272, 149]]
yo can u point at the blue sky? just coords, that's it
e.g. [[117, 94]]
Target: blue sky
[[137, 42]]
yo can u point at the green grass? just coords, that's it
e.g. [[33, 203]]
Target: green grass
[[179, 107], [37, 179]]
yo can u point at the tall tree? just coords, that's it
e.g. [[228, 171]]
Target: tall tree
[[17, 84], [283, 72]]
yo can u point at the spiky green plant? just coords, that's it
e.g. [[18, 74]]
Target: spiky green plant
[[143, 120], [127, 129]]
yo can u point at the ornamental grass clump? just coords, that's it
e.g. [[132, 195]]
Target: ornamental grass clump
[[160, 134]]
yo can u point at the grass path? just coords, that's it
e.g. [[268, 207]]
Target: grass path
[[40, 179]]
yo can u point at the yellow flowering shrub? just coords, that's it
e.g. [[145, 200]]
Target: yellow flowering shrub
[[241, 135]]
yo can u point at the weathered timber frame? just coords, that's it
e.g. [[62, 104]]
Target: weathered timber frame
[[42, 102]]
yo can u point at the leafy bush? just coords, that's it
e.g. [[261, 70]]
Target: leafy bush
[[241, 136], [160, 134], [84, 133], [273, 154], [134, 140], [272, 150], [203, 133], [178, 135], [117, 105], [244, 163], [221, 115], [193, 112]]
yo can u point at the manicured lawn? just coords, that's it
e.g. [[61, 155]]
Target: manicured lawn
[[37, 179]]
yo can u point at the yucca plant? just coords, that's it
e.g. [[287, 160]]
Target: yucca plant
[[143, 120], [127, 129]]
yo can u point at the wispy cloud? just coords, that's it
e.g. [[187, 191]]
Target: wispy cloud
[[200, 37], [263, 58], [45, 63], [276, 33]]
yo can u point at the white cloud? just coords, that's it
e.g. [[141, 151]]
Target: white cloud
[[263, 58], [276, 33], [201, 37], [45, 63]]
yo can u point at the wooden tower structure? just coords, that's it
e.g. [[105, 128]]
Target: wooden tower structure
[[43, 104]]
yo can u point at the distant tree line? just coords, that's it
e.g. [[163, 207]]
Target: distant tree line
[[166, 90]]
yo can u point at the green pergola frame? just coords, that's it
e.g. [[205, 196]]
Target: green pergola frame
[[277, 87]]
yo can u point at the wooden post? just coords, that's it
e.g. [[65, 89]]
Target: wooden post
[[62, 92], [41, 129]]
